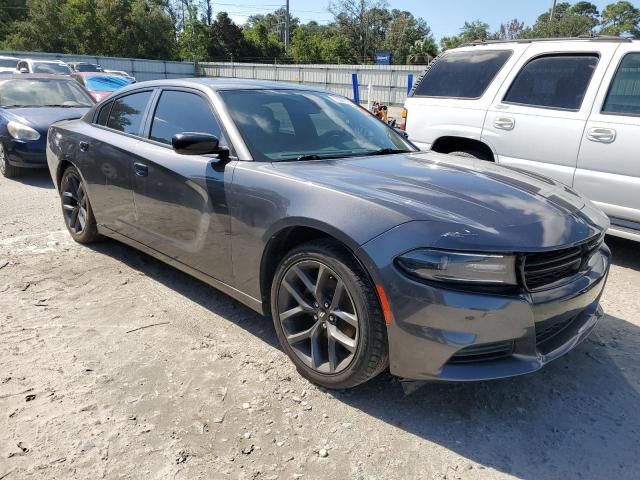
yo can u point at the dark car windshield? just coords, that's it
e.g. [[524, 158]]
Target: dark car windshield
[[57, 68], [281, 125], [106, 83], [87, 67], [43, 93], [8, 63]]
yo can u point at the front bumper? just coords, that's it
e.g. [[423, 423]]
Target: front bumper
[[439, 333], [26, 153]]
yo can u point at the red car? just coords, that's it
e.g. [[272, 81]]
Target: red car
[[100, 85]]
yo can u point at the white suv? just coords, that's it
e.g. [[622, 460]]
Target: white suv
[[568, 109]]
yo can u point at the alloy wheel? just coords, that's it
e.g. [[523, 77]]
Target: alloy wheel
[[74, 203], [318, 316]]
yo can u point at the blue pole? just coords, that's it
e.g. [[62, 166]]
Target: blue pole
[[409, 83], [356, 88]]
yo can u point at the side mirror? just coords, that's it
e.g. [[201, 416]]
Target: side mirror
[[196, 143], [401, 132]]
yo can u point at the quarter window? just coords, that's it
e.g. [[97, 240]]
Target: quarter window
[[178, 112], [104, 114], [624, 95], [553, 81], [464, 74], [127, 113]]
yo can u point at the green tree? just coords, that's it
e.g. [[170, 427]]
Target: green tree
[[11, 11], [422, 51], [621, 18], [192, 41], [359, 21], [470, 32], [402, 34], [261, 44], [569, 21]]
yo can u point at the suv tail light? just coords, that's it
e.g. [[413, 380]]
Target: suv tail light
[[403, 123]]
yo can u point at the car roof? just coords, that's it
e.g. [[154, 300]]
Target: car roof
[[8, 57], [224, 84], [36, 76], [93, 74], [41, 60], [588, 39]]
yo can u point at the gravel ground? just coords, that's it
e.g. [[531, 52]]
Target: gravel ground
[[206, 393]]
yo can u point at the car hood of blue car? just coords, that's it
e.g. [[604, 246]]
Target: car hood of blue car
[[41, 118], [475, 194]]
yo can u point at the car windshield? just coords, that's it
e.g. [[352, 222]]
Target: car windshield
[[43, 93], [87, 67], [282, 125], [106, 83], [56, 68], [8, 63]]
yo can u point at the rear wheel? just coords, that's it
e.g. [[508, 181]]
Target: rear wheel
[[78, 215], [327, 317], [8, 170]]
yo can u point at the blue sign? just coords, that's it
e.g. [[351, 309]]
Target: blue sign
[[383, 58]]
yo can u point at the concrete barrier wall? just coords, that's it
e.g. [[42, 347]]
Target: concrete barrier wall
[[388, 82]]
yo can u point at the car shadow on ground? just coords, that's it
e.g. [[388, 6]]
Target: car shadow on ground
[[39, 177], [625, 252], [576, 418]]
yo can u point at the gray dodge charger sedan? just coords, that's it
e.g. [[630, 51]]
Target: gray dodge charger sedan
[[367, 253]]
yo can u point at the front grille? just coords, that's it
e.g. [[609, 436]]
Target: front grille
[[541, 269], [483, 353]]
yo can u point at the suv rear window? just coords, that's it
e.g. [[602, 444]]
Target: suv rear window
[[553, 81], [624, 95], [464, 74]]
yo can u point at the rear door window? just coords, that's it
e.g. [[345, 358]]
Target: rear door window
[[465, 74], [178, 112], [127, 113], [557, 81], [624, 94]]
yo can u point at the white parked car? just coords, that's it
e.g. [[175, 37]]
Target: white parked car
[[56, 67], [567, 109], [8, 64]]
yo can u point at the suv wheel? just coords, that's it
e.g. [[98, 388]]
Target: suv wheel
[[327, 316], [8, 170]]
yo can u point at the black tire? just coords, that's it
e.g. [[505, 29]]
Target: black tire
[[469, 154], [74, 205], [7, 170], [370, 356]]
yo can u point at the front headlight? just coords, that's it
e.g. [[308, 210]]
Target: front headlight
[[457, 267], [22, 132]]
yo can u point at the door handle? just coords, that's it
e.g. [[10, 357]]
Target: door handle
[[141, 169], [84, 146], [602, 135], [504, 123]]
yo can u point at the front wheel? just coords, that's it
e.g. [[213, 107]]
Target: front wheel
[[327, 316], [7, 170], [78, 215]]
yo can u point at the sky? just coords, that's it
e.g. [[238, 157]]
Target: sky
[[444, 17]]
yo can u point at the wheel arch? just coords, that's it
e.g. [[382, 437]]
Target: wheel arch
[[286, 236], [452, 143]]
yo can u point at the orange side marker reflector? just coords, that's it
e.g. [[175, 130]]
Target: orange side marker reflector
[[384, 302]]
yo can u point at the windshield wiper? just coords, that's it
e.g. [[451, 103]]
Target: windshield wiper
[[315, 156], [386, 151]]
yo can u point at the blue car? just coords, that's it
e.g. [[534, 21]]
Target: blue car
[[29, 105]]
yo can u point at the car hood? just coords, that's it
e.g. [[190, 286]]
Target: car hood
[[480, 197], [41, 118]]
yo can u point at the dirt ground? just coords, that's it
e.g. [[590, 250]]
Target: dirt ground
[[207, 393]]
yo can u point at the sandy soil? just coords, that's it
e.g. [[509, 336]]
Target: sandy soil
[[207, 393]]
